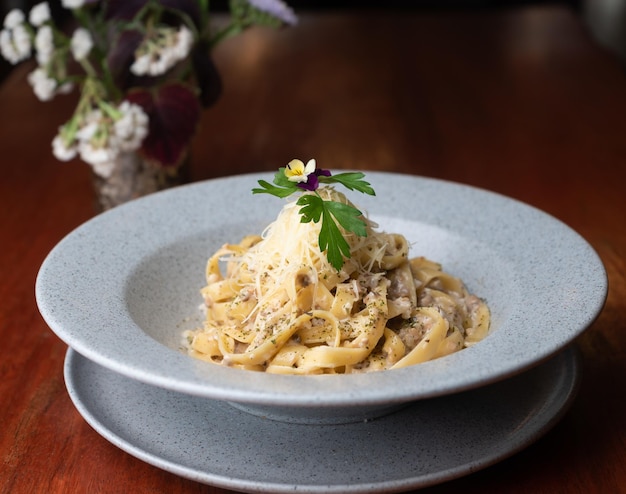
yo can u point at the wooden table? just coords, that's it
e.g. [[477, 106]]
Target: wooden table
[[521, 102]]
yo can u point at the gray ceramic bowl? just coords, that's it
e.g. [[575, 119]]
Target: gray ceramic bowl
[[121, 288]]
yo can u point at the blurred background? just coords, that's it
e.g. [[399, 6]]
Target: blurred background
[[606, 19]]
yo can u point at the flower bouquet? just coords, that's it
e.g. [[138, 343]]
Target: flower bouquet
[[144, 72]]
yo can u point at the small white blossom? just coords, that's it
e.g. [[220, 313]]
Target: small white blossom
[[61, 150], [95, 145], [72, 4], [276, 8], [15, 44], [65, 88], [14, 18], [39, 14], [43, 85], [141, 65], [81, 43], [165, 62], [156, 56], [44, 45], [90, 125], [102, 136], [15, 41], [22, 40], [184, 42], [160, 63], [6, 47], [96, 155], [132, 128], [88, 130]]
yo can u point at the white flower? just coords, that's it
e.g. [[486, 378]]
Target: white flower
[[95, 145], [158, 65], [44, 45], [65, 88], [15, 43], [72, 4], [90, 125], [61, 150], [276, 8], [13, 19], [141, 65], [184, 42], [43, 85], [88, 130], [132, 128], [6, 47], [39, 14], [95, 155], [103, 135], [159, 53], [22, 40], [94, 141], [81, 43]]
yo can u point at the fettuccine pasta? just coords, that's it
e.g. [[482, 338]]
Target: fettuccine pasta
[[275, 304]]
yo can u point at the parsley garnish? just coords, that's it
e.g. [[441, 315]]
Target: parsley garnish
[[296, 177]]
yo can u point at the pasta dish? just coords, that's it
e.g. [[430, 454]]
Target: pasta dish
[[274, 303]]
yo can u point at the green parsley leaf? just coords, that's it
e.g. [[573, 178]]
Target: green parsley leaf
[[312, 207], [283, 188], [268, 188], [280, 178], [350, 218], [334, 216], [350, 180], [330, 239]]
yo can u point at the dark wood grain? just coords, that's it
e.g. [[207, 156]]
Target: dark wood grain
[[521, 102]]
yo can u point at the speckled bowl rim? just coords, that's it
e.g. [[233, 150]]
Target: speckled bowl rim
[[547, 282]]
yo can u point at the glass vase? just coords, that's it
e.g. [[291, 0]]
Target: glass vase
[[130, 176]]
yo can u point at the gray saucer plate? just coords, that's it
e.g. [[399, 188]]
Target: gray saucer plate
[[424, 443]]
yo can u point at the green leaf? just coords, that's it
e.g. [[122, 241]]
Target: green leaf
[[331, 240], [247, 15], [312, 208], [283, 188], [352, 181], [268, 188], [281, 179], [350, 218], [334, 216]]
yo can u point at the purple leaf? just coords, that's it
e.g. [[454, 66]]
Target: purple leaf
[[174, 112], [124, 9], [121, 57]]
